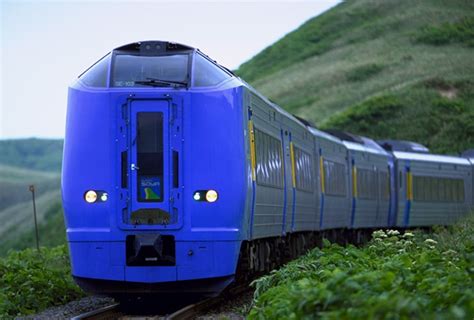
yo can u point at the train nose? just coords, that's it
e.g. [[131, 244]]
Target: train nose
[[150, 249]]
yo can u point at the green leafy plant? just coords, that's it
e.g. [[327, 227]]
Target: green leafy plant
[[396, 276], [31, 281]]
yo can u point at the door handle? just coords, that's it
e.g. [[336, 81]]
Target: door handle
[[134, 167]]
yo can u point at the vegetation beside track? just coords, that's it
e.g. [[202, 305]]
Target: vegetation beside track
[[51, 229], [32, 281], [398, 276]]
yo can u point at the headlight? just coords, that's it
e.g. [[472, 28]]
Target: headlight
[[206, 195], [211, 196], [90, 196], [93, 196]]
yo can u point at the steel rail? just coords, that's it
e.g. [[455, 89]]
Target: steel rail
[[104, 313], [190, 311]]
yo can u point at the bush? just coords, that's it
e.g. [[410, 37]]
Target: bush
[[398, 276], [364, 72], [369, 117], [435, 112], [458, 32], [32, 281]]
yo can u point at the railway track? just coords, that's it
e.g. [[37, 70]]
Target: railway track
[[190, 311], [104, 313]]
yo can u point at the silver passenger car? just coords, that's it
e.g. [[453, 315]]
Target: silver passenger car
[[432, 189], [333, 182], [370, 181]]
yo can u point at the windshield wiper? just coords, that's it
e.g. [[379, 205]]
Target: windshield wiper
[[159, 82]]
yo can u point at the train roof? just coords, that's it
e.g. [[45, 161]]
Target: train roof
[[373, 144], [402, 145], [468, 154], [369, 148], [324, 135], [355, 142], [153, 47], [345, 136], [430, 157], [304, 121], [273, 105]]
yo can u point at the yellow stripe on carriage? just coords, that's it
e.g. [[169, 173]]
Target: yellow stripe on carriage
[[409, 186], [293, 168], [354, 181], [252, 149], [321, 171]]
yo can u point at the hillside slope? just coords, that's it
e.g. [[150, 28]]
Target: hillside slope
[[32, 154], [24, 162], [418, 53], [14, 183]]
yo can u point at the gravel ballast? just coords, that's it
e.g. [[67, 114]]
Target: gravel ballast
[[72, 309]]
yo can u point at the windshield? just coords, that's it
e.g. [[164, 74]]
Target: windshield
[[96, 76], [140, 71]]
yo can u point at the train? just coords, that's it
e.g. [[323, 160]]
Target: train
[[178, 177]]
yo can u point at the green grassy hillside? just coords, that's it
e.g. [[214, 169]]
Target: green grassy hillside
[[32, 154], [24, 162], [415, 56], [443, 118], [14, 183], [17, 228]]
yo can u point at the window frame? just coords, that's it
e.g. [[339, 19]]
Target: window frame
[[298, 175], [281, 155], [327, 187], [438, 189]]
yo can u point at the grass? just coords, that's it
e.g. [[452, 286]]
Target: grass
[[315, 37], [17, 223], [364, 49], [14, 183], [37, 162], [435, 112], [414, 275], [364, 72], [32, 281], [51, 232]]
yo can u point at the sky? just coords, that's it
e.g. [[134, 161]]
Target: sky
[[45, 45]]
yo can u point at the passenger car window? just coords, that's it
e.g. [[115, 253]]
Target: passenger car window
[[156, 71], [207, 74], [96, 76]]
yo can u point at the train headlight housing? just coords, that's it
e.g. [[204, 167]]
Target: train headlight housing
[[90, 196], [94, 196], [206, 195], [104, 197], [211, 196]]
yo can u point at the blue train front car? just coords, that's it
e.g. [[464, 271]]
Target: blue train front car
[[154, 175]]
